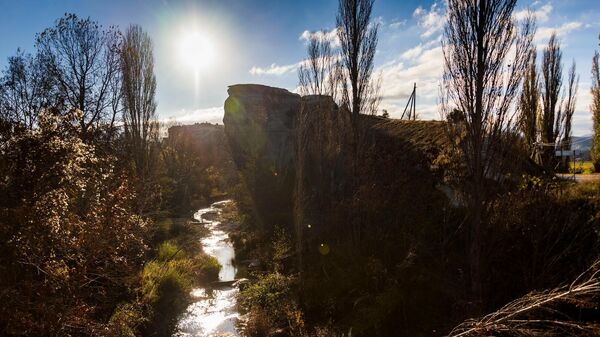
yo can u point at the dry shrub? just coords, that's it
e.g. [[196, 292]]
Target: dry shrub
[[259, 324], [571, 310]]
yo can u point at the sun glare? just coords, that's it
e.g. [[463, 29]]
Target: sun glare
[[196, 50]]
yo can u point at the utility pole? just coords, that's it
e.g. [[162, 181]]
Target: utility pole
[[411, 105]]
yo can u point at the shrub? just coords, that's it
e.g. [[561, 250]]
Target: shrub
[[270, 304], [72, 240], [166, 279], [259, 324], [126, 320], [166, 287], [209, 268], [168, 251]]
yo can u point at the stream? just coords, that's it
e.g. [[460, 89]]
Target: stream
[[213, 312]]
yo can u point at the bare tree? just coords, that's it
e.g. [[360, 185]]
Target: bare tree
[[569, 107], [595, 108], [481, 80], [25, 90], [552, 116], [358, 42], [82, 57], [319, 74], [529, 104], [558, 107], [139, 104]]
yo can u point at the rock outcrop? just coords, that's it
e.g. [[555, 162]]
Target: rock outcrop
[[259, 124], [302, 166], [324, 150]]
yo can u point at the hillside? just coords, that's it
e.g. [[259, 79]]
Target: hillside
[[378, 222]]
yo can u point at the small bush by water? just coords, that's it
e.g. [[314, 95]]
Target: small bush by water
[[168, 280], [271, 306], [208, 268], [168, 251]]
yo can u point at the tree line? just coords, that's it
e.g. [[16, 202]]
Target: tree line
[[503, 108]]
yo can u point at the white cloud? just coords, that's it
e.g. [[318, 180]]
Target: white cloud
[[210, 115], [397, 24], [416, 51], [541, 14], [412, 53], [279, 70], [330, 36], [545, 32], [431, 21], [379, 21], [274, 69], [582, 119], [423, 65], [418, 11]]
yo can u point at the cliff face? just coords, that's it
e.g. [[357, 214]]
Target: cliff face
[[302, 167], [323, 165], [259, 125]]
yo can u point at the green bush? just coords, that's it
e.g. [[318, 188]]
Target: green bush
[[173, 277], [270, 293], [168, 251], [209, 268], [581, 167], [271, 306], [166, 287], [126, 320]]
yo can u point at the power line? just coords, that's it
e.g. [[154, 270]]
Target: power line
[[412, 102], [582, 140]]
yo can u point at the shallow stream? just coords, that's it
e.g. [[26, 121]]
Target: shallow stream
[[213, 312]]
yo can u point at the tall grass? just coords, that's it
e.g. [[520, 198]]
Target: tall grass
[[167, 282]]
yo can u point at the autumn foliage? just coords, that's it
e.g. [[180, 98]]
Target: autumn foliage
[[70, 241]]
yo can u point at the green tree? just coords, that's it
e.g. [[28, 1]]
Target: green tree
[[558, 105], [551, 117], [25, 89]]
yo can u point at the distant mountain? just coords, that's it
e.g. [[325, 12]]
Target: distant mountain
[[582, 143]]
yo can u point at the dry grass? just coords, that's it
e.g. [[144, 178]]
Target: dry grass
[[422, 134], [547, 313]]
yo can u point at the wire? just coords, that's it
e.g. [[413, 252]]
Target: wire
[[583, 139]]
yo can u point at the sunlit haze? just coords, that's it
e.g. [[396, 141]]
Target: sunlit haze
[[197, 50]]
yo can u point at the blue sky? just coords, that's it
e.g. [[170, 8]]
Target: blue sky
[[262, 42]]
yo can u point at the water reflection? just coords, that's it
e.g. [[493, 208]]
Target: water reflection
[[213, 312]]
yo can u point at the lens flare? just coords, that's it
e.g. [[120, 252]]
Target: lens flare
[[197, 50]]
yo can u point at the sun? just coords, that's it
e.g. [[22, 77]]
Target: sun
[[196, 50]]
